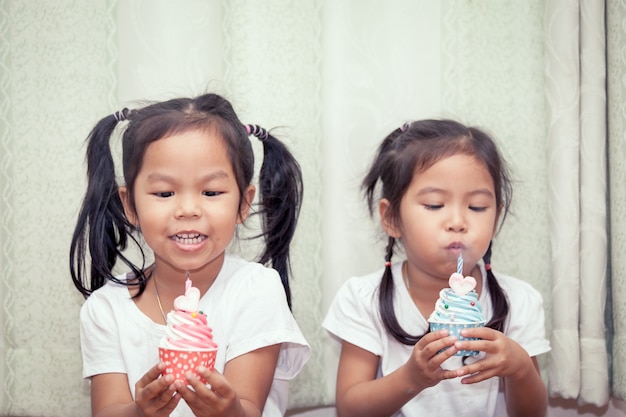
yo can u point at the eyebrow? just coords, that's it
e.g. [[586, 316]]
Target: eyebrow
[[479, 191], [157, 176]]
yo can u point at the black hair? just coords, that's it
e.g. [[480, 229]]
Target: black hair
[[103, 232], [406, 152]]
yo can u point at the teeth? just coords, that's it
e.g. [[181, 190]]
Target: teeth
[[188, 235], [189, 238]]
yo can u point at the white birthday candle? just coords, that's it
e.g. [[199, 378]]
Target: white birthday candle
[[459, 264]]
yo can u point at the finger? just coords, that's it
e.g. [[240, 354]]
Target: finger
[[171, 404], [479, 333], [476, 345], [196, 394], [432, 336], [198, 383], [479, 376], [440, 349], [151, 375], [219, 384]]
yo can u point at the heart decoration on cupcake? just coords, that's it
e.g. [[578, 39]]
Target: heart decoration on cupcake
[[461, 285], [189, 301]]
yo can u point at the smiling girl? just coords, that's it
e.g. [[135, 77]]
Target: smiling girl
[[188, 167]]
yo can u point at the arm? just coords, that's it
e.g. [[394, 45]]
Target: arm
[[110, 395], [524, 390], [359, 393], [525, 393], [240, 392]]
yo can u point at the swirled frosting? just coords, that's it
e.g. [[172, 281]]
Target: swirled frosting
[[187, 327], [458, 304]]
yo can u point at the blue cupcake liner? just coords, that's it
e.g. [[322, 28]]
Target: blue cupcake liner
[[455, 329]]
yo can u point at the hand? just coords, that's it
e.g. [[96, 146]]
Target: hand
[[425, 362], [217, 399], [504, 357], [154, 396]]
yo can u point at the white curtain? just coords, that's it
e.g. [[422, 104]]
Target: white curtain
[[334, 77], [577, 136]]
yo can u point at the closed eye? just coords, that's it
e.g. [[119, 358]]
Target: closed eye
[[433, 206], [478, 209]]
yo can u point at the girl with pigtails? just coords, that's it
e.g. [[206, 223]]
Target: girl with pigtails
[[442, 190], [188, 166]]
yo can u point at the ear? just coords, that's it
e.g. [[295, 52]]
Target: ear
[[128, 211], [389, 224], [246, 203]]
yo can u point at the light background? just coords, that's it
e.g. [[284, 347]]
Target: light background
[[334, 77]]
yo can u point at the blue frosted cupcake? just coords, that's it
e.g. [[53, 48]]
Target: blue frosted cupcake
[[458, 308]]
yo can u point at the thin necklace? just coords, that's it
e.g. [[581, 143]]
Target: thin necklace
[[156, 290]]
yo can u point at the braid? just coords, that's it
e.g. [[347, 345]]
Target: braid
[[385, 301], [102, 228], [281, 189], [497, 296]]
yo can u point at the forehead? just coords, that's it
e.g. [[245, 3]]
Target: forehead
[[187, 150], [459, 171]]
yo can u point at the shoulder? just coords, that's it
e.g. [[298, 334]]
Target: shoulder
[[354, 314], [236, 265], [238, 271], [107, 299], [362, 286], [244, 280], [109, 292], [357, 297]]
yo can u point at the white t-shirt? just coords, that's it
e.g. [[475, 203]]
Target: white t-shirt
[[354, 317], [246, 306]]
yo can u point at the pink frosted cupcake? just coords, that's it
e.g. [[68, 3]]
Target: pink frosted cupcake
[[188, 342]]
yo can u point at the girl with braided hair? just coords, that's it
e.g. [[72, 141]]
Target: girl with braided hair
[[188, 166], [441, 189]]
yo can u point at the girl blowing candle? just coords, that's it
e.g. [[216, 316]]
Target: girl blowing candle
[[444, 189]]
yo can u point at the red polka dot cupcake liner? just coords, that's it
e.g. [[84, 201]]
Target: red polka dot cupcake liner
[[178, 362]]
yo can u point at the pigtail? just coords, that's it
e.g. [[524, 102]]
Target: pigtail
[[378, 171], [280, 188], [102, 230], [497, 296], [385, 300]]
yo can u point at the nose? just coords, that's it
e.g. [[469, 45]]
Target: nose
[[456, 221], [187, 207]]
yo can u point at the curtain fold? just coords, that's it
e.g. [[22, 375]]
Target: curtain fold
[[593, 195], [616, 24], [575, 92]]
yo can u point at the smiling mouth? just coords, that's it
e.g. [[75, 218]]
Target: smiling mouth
[[189, 238]]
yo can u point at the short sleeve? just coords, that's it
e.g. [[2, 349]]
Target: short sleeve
[[527, 319], [258, 318], [353, 315], [99, 338]]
